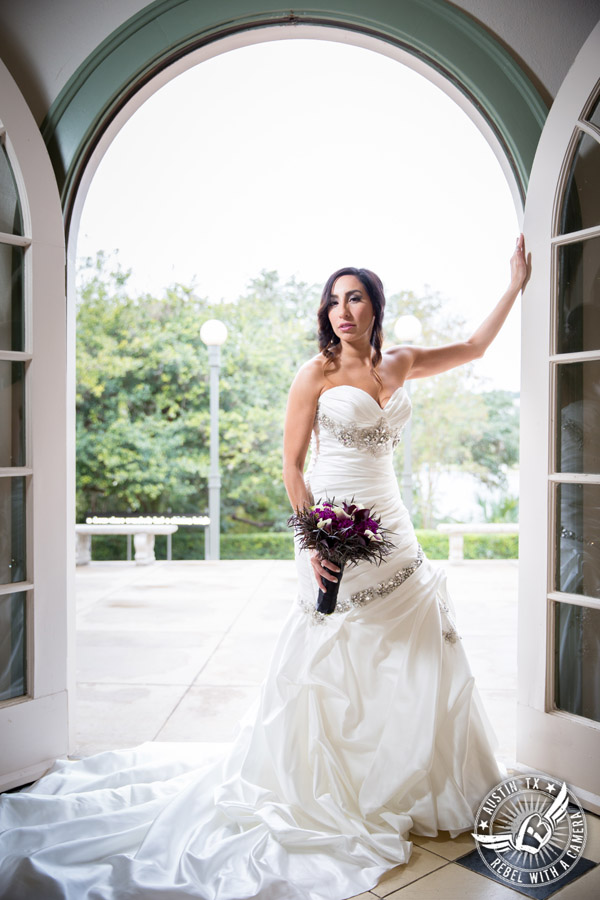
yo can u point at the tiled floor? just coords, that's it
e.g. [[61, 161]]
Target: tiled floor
[[176, 652]]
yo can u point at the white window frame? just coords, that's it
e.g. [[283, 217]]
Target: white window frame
[[551, 740], [35, 727]]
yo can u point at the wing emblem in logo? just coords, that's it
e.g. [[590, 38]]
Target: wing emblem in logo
[[533, 833]]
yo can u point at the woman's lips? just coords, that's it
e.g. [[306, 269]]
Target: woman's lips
[[346, 326]]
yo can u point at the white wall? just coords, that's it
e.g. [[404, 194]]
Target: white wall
[[43, 42], [544, 36]]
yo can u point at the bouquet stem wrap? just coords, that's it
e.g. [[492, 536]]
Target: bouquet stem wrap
[[327, 599], [343, 533]]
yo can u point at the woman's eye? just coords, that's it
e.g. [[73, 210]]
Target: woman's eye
[[357, 298]]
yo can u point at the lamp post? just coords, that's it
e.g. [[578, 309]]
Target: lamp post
[[214, 333], [407, 330]]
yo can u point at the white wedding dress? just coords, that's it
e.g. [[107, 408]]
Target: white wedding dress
[[368, 727]]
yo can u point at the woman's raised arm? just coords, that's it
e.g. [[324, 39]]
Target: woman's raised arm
[[423, 361]]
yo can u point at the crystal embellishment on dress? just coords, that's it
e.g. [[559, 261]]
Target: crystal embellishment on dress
[[450, 635], [374, 438], [367, 595]]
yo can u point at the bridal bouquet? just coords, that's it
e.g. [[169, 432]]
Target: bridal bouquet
[[342, 533]]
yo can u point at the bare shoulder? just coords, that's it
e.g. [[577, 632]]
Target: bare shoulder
[[310, 379]]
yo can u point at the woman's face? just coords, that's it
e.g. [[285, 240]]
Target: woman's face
[[350, 309]]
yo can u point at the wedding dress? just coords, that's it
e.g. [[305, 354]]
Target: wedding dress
[[368, 726]]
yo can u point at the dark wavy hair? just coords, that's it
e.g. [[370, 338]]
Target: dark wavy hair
[[329, 343]]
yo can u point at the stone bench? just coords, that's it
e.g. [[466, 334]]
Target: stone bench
[[143, 540], [457, 530]]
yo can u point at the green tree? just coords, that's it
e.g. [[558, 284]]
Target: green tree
[[457, 426], [143, 399], [143, 404], [497, 449], [504, 508], [448, 419]]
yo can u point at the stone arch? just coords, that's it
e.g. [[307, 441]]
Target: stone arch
[[444, 43]]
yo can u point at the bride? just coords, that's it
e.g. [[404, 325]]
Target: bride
[[368, 725]]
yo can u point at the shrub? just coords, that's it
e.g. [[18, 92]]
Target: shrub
[[491, 546], [433, 543], [188, 543], [269, 545]]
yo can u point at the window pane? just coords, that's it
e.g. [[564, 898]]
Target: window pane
[[594, 116], [12, 414], [579, 296], [578, 539], [578, 417], [13, 681], [577, 656], [581, 201], [10, 208], [11, 297], [12, 531]]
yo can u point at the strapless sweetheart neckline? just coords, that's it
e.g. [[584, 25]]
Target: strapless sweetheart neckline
[[366, 393]]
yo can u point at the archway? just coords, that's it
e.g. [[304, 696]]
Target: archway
[[441, 41], [218, 47]]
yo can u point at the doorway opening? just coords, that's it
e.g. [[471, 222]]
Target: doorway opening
[[368, 179]]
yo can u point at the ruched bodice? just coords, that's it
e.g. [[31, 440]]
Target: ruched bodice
[[352, 459], [352, 418], [353, 443]]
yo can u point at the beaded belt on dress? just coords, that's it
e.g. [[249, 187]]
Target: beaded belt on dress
[[375, 439], [367, 595]]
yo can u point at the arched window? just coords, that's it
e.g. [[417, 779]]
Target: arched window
[[33, 451], [15, 359], [559, 660], [576, 446]]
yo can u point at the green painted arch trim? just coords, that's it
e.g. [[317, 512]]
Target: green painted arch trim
[[438, 33]]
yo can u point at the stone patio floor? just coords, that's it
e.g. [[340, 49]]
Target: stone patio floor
[[176, 651]]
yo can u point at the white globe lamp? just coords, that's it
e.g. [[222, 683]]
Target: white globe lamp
[[408, 329], [213, 333]]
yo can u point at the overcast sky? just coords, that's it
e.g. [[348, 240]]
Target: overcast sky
[[304, 156]]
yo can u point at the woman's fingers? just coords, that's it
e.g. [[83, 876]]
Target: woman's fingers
[[519, 253], [518, 262], [327, 565], [526, 262], [324, 570]]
